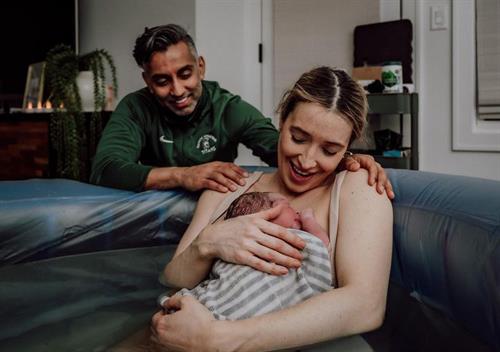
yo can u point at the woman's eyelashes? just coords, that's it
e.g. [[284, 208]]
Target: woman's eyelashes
[[328, 151], [298, 140]]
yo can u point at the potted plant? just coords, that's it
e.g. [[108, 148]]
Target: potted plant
[[74, 136]]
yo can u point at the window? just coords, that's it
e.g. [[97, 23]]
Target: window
[[470, 133], [488, 58]]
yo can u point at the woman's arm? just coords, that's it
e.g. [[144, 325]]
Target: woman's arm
[[363, 257], [189, 266], [250, 240], [362, 262]]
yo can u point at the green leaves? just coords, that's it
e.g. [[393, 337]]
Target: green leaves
[[72, 138]]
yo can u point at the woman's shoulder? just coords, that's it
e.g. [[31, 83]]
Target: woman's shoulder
[[356, 177], [355, 186]]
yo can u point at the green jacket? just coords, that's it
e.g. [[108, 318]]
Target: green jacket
[[141, 134]]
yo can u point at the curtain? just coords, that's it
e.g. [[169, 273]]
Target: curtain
[[488, 58]]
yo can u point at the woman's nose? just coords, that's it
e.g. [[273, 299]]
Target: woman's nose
[[307, 160]]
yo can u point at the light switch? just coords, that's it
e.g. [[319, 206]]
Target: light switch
[[439, 17]]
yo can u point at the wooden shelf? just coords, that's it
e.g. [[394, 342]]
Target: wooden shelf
[[25, 148], [399, 104], [392, 162], [391, 103]]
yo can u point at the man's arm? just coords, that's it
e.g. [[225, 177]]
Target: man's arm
[[216, 175], [116, 161]]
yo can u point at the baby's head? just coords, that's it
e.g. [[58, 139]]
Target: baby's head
[[253, 202]]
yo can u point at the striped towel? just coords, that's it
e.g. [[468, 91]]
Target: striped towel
[[234, 291]]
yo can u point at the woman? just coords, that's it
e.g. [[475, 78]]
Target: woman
[[319, 117]]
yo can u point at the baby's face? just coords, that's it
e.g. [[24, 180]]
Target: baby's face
[[288, 217]]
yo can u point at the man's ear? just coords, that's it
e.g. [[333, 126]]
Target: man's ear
[[201, 66]]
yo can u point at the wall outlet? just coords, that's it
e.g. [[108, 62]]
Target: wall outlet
[[439, 17]]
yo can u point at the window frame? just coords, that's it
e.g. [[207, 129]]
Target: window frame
[[470, 133], [486, 111]]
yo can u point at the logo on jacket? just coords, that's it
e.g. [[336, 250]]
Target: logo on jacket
[[206, 144], [164, 140]]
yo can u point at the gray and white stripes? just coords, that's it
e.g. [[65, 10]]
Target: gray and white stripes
[[235, 292]]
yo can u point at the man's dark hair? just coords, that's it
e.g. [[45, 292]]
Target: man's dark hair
[[249, 203], [159, 39]]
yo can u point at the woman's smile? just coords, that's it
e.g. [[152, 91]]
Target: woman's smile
[[312, 142], [298, 175]]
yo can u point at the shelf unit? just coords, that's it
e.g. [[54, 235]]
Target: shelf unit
[[25, 147], [398, 104]]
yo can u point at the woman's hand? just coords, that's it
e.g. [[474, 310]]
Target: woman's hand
[[187, 329], [354, 162], [254, 241]]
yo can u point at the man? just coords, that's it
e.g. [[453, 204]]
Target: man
[[182, 131]]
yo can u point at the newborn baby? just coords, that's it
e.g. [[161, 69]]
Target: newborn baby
[[253, 202], [234, 291]]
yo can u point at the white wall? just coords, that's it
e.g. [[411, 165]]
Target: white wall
[[114, 25], [315, 32], [310, 33], [434, 78]]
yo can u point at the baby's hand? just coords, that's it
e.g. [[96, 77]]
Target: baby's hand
[[162, 301], [309, 224]]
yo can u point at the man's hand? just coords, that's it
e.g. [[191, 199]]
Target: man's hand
[[376, 172], [217, 175]]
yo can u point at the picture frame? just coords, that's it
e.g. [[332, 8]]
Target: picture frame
[[33, 93]]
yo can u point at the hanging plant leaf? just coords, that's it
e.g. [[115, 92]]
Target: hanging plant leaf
[[72, 139]]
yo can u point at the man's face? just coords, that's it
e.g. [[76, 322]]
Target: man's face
[[174, 78]]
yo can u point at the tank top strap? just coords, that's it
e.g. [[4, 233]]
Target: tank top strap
[[221, 209], [334, 219]]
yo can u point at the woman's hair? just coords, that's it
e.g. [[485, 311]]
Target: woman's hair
[[159, 39], [334, 90]]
